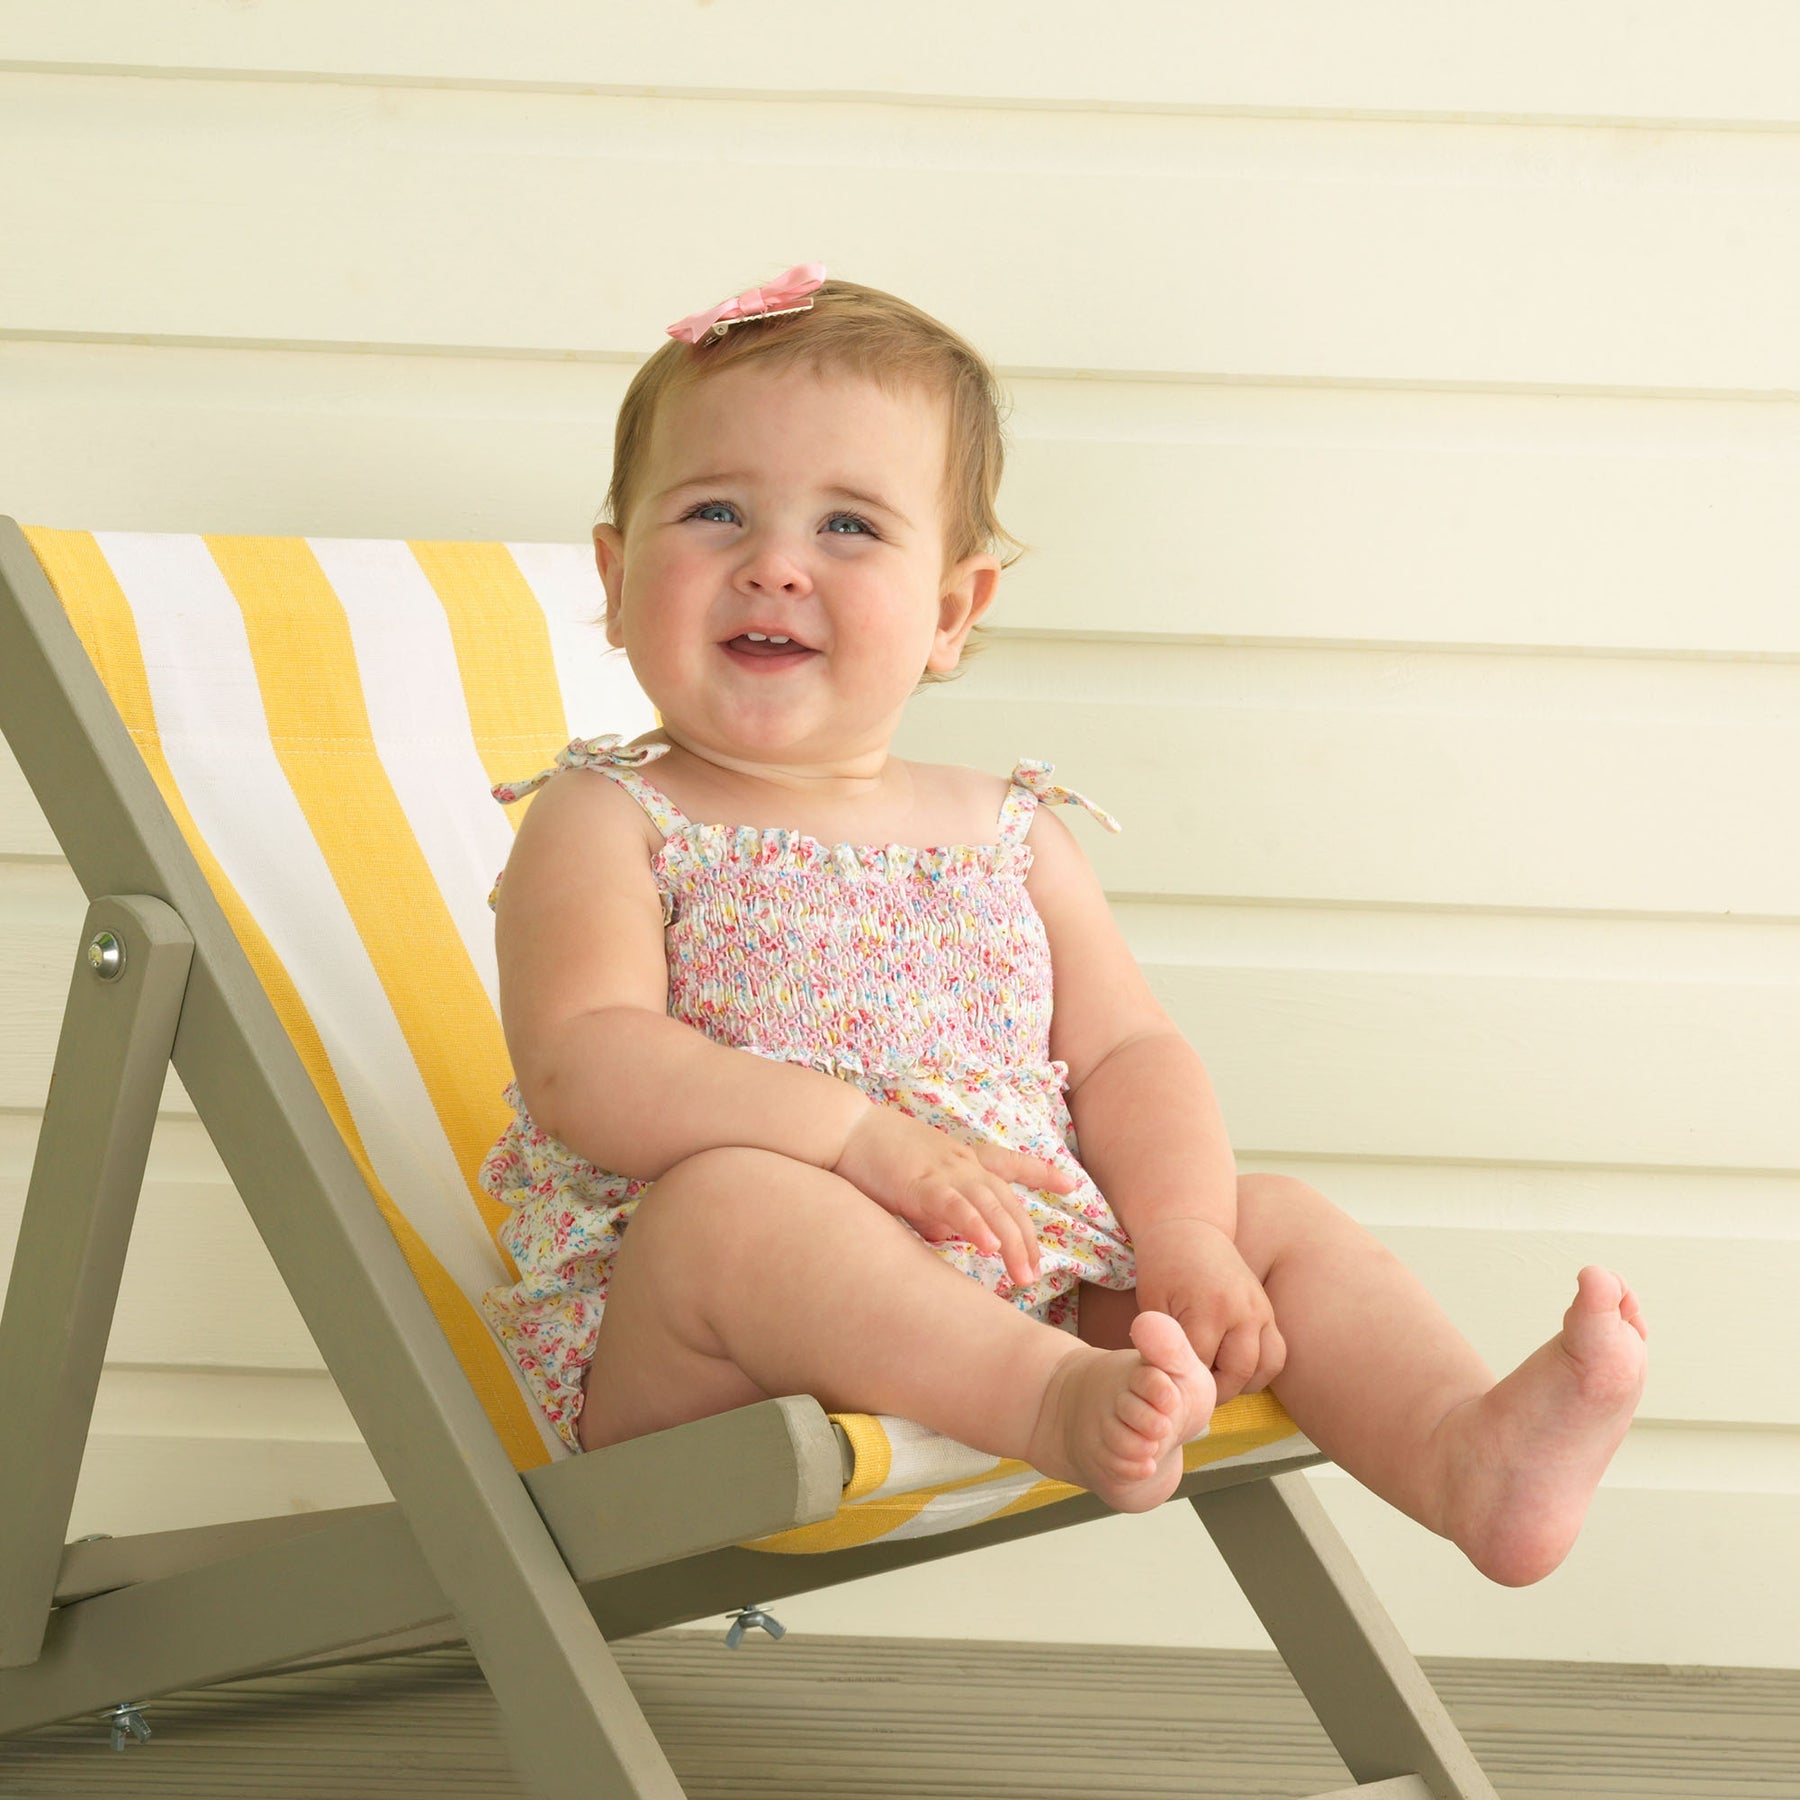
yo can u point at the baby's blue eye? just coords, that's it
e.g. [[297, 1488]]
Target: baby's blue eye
[[863, 527]]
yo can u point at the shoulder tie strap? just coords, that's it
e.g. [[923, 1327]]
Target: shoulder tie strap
[[583, 753], [602, 753], [1031, 784]]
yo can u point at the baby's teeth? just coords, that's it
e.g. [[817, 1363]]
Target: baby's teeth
[[757, 637]]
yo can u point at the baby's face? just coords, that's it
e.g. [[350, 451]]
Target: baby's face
[[797, 504]]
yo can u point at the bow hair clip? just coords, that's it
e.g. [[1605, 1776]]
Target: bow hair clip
[[775, 301]]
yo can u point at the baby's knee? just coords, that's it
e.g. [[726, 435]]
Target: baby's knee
[[1282, 1208], [711, 1195]]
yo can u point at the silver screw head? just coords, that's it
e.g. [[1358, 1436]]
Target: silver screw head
[[106, 956]]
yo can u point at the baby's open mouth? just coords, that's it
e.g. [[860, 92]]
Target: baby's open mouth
[[766, 649]]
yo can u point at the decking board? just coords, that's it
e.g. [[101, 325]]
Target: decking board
[[826, 1718]]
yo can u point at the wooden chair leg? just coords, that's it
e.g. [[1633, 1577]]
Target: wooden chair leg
[[1351, 1663], [124, 1006]]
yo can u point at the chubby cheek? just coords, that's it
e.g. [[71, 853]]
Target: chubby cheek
[[662, 606]]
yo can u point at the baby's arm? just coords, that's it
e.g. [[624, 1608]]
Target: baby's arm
[[1145, 1114], [1148, 1122], [584, 1005]]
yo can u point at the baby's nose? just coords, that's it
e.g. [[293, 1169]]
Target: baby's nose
[[773, 570]]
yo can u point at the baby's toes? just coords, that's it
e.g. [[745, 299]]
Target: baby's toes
[[1597, 1290], [1142, 1415], [1155, 1388], [1133, 1446], [1633, 1314]]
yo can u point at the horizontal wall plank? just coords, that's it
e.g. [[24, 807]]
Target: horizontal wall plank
[[199, 1290], [1608, 62], [289, 212], [1551, 1198], [302, 1407], [131, 1484], [1491, 544], [1397, 779], [1495, 1068], [1189, 510], [25, 833]]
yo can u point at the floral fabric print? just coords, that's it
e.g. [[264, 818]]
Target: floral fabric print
[[921, 976]]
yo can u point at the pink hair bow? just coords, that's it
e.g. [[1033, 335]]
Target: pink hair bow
[[753, 303]]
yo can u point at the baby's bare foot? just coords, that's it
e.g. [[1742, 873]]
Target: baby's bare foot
[[1526, 1457], [1114, 1421]]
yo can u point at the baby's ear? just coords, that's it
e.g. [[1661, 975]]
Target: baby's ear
[[609, 559], [968, 592]]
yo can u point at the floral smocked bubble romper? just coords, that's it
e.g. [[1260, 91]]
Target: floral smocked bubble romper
[[921, 976]]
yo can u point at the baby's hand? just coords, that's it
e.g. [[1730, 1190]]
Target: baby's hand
[[947, 1189], [1193, 1272]]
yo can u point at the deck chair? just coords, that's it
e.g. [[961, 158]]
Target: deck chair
[[268, 763]]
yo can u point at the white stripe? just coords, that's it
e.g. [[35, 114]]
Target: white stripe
[[969, 1506], [600, 693], [919, 1457], [419, 715]]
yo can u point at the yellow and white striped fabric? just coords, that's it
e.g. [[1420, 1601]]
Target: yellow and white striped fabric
[[325, 717], [911, 1481]]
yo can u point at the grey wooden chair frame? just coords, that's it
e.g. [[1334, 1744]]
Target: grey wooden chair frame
[[536, 1571]]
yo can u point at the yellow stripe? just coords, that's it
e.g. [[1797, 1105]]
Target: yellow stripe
[[312, 695], [872, 1454], [102, 618], [503, 656]]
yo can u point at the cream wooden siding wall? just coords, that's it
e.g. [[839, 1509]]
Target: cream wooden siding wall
[[1406, 428]]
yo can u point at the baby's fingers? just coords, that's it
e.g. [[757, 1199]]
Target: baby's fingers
[[1006, 1231], [1029, 1171], [1272, 1361], [1235, 1364]]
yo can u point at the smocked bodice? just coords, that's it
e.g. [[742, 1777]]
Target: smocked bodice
[[866, 960]]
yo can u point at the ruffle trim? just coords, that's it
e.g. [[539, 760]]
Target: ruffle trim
[[778, 850]]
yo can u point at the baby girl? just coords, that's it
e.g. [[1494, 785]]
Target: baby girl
[[835, 1075]]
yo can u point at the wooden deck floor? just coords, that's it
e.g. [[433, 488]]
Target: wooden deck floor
[[828, 1718]]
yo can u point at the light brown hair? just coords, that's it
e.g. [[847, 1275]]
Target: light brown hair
[[853, 330]]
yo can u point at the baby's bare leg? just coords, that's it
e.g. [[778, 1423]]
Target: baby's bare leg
[[745, 1274], [1104, 1315], [1387, 1387]]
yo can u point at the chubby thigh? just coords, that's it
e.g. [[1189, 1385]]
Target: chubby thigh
[[745, 1275]]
